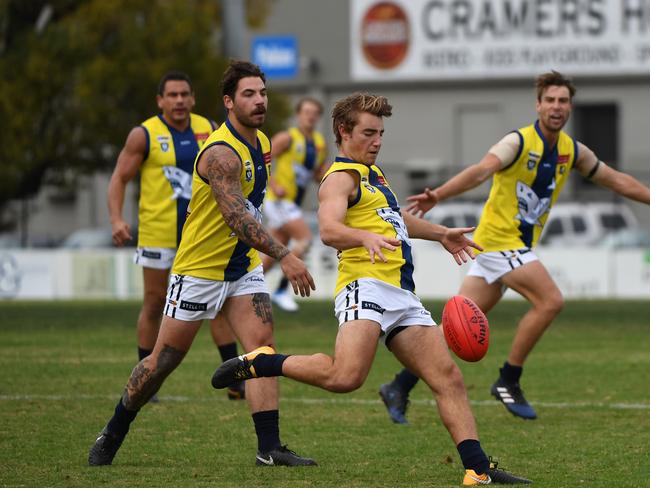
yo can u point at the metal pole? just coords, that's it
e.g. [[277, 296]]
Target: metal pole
[[234, 28]]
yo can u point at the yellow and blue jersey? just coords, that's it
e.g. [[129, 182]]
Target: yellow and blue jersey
[[209, 248], [295, 167], [166, 178], [523, 193], [375, 209]]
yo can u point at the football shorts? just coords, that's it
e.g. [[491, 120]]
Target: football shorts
[[389, 306], [190, 298], [493, 265]]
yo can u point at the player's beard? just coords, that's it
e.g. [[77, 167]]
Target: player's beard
[[249, 120]]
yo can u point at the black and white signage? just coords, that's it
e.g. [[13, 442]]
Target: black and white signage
[[451, 39]]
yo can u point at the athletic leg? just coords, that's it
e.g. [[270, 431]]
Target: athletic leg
[[251, 319], [225, 340]]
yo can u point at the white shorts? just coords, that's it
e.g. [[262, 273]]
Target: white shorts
[[155, 257], [493, 265], [279, 212], [389, 306], [190, 298]]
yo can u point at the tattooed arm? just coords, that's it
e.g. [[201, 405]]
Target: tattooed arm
[[222, 168]]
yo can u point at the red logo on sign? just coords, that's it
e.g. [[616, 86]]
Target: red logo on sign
[[385, 35]]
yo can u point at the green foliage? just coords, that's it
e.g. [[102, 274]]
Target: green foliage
[[64, 365], [72, 92]]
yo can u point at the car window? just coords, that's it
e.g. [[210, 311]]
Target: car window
[[613, 221], [448, 222], [578, 224], [471, 220]]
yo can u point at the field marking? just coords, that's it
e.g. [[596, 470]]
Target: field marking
[[323, 401]]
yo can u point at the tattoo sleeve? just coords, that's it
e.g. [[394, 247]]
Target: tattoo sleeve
[[262, 307], [144, 382], [223, 170]]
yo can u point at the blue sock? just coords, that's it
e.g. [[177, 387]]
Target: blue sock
[[267, 428], [511, 374], [120, 423], [269, 364], [405, 381], [228, 351], [473, 456]]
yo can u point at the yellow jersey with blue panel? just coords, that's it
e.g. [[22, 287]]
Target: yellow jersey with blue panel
[[209, 248], [295, 167], [375, 209], [523, 192], [166, 179]]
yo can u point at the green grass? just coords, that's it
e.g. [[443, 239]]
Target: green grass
[[63, 366]]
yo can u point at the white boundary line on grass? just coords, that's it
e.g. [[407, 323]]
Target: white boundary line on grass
[[324, 401]]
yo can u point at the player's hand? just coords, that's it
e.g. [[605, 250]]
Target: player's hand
[[422, 202], [374, 243], [459, 245], [296, 272], [121, 232]]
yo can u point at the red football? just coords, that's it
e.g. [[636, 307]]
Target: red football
[[466, 328]]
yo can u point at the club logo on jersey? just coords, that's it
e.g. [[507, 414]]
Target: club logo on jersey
[[381, 180], [180, 181], [533, 158], [531, 207], [563, 159], [249, 170], [164, 143]]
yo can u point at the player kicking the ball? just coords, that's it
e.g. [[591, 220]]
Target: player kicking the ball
[[359, 216], [529, 168]]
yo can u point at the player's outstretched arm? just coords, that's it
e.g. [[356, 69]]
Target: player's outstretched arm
[[621, 183], [453, 240], [128, 164], [467, 179], [223, 170], [333, 195]]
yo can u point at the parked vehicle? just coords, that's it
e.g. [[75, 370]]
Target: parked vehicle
[[575, 224], [569, 224]]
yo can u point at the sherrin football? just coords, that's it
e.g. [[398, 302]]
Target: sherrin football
[[466, 328]]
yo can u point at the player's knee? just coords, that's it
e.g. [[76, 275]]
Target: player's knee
[[167, 361], [152, 306], [553, 304], [346, 383]]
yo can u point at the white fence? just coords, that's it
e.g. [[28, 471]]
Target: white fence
[[111, 274]]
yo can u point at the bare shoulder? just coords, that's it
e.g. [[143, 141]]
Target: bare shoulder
[[280, 142], [338, 183], [136, 141], [218, 159]]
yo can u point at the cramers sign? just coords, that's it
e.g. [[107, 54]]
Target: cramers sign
[[460, 39]]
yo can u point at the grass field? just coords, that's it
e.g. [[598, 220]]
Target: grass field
[[63, 366]]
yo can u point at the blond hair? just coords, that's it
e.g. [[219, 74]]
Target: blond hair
[[346, 111]]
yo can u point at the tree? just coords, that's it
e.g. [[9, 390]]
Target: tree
[[74, 87]]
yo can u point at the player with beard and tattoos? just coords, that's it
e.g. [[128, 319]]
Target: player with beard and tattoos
[[218, 269]]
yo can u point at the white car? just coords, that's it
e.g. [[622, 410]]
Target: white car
[[585, 223]]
